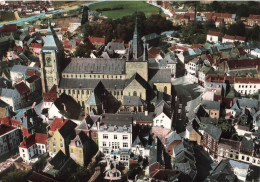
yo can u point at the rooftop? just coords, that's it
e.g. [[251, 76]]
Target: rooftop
[[33, 139]]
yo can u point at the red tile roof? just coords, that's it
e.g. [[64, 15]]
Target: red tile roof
[[214, 33], [247, 80], [9, 121], [32, 79], [22, 88], [64, 29], [31, 72], [78, 40], [244, 63], [230, 37], [254, 17], [179, 47], [36, 45], [9, 28], [18, 49], [57, 124], [51, 96], [220, 79], [241, 51], [153, 52], [196, 46], [5, 129], [97, 40], [33, 139]]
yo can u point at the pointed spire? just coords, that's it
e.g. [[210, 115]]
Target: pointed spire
[[50, 42], [137, 45]]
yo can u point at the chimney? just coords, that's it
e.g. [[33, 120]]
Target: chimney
[[24, 114], [146, 113], [98, 125], [31, 120], [33, 105]]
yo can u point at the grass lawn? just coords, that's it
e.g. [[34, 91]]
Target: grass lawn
[[127, 8]]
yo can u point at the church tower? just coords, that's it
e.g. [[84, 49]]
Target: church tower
[[137, 57], [137, 43], [50, 70]]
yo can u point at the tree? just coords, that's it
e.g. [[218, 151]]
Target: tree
[[16, 176], [84, 15], [84, 50]]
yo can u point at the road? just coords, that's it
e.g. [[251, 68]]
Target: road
[[42, 15]]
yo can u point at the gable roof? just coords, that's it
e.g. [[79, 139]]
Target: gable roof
[[214, 131], [211, 104], [138, 78], [22, 88], [163, 108], [57, 123], [214, 33], [33, 139], [5, 129]]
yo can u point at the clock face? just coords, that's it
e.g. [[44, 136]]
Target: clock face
[[48, 61]]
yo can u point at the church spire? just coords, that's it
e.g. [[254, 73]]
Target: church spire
[[137, 45]]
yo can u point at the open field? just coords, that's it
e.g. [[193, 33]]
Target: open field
[[119, 9]]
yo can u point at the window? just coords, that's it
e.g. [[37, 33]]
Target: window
[[115, 137], [106, 151], [115, 145], [125, 144], [71, 150], [61, 145], [134, 93], [247, 159], [125, 137], [104, 144], [105, 136], [243, 157]]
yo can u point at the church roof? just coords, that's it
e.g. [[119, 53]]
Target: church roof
[[99, 65]]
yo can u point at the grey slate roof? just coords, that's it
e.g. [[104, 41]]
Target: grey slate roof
[[99, 66], [5, 92], [184, 146], [163, 108], [132, 101], [117, 119], [213, 131], [72, 83], [249, 103], [137, 142], [208, 120], [140, 116], [19, 69], [188, 168], [50, 42], [93, 100], [247, 144], [159, 76], [211, 104], [223, 172]]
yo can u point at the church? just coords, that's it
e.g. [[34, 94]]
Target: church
[[101, 85]]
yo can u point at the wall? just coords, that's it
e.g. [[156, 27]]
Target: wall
[[137, 67]]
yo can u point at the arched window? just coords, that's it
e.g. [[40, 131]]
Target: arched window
[[135, 93], [165, 90]]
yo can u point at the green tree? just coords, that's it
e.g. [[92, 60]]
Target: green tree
[[16, 176], [84, 50]]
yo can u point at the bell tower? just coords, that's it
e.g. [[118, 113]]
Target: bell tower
[[50, 61]]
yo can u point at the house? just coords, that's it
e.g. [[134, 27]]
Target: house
[[36, 48], [61, 139], [154, 54], [163, 117], [192, 69], [17, 73], [82, 149], [253, 20], [24, 91], [213, 36], [114, 47], [75, 22], [115, 136], [211, 139], [33, 146], [229, 38], [97, 41], [228, 149], [193, 135], [50, 97], [12, 97], [212, 108], [247, 85], [34, 84], [10, 138], [222, 171], [203, 72], [169, 62], [227, 18]]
